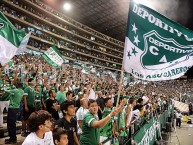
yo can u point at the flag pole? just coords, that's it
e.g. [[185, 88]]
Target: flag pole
[[121, 77], [120, 85], [122, 70]]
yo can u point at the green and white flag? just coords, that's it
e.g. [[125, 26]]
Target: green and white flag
[[156, 48], [23, 44], [53, 57], [10, 39]]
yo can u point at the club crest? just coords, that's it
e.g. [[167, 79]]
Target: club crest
[[161, 53]]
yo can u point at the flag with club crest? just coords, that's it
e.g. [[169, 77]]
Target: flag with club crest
[[10, 39], [156, 48], [53, 57]]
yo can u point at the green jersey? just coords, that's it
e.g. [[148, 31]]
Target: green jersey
[[45, 95], [38, 98], [60, 97], [121, 117], [30, 96], [108, 128], [24, 86], [90, 135], [15, 98]]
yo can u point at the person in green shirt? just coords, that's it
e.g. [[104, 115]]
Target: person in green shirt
[[38, 97], [107, 131], [45, 96], [123, 133], [24, 85], [15, 98], [91, 124], [60, 96], [29, 103]]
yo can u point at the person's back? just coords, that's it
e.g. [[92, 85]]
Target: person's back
[[15, 99]]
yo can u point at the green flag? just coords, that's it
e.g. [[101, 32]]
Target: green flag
[[53, 57], [156, 48], [10, 39]]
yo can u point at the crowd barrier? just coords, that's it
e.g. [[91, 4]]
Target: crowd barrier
[[149, 133]]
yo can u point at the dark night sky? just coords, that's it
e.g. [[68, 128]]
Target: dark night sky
[[183, 12], [180, 11], [186, 19]]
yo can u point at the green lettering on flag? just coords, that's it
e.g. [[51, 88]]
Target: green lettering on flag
[[155, 46], [53, 57], [10, 39]]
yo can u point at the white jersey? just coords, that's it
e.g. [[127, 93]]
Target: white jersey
[[130, 116], [32, 139], [145, 99], [92, 95], [80, 116]]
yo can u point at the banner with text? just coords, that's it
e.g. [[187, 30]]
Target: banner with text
[[149, 133], [156, 48], [53, 57]]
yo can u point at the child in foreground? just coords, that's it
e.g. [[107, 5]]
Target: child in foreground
[[60, 136]]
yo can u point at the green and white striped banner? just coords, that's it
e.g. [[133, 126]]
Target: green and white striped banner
[[53, 57]]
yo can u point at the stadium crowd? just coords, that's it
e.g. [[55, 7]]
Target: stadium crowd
[[70, 106]]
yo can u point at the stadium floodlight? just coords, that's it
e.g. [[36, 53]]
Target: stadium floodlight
[[67, 6]]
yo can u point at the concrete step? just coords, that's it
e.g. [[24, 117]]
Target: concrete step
[[20, 140], [4, 132]]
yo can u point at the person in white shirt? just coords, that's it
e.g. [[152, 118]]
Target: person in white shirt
[[80, 114], [129, 115], [39, 124], [178, 119], [129, 112], [92, 94]]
